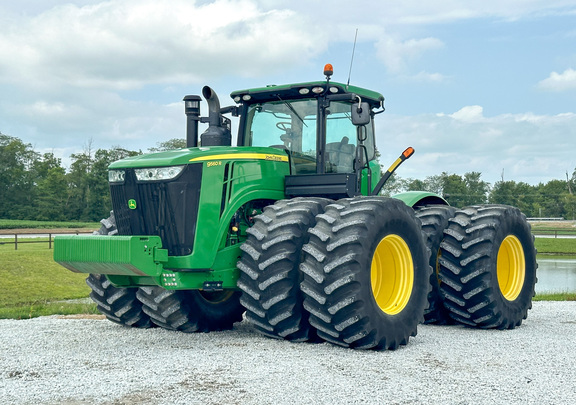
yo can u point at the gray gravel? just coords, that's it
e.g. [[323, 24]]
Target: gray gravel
[[55, 360]]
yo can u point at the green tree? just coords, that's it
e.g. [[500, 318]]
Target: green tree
[[477, 189], [552, 198], [51, 192], [78, 184], [174, 143], [454, 189], [521, 195], [89, 195], [16, 178], [98, 201]]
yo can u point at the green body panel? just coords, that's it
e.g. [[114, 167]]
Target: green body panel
[[256, 178], [185, 156], [256, 174], [376, 175], [414, 198]]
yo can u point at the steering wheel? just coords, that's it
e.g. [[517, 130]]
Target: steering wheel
[[284, 126]]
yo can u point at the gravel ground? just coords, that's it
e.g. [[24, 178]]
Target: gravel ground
[[56, 360]]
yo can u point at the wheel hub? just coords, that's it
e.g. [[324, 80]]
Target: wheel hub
[[392, 274], [511, 267]]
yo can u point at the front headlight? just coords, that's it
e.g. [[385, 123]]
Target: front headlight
[[116, 176], [158, 173]]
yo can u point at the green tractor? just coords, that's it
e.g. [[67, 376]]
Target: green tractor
[[287, 230]]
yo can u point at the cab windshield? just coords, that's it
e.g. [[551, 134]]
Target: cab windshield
[[291, 125]]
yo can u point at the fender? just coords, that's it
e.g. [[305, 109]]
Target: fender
[[416, 199]]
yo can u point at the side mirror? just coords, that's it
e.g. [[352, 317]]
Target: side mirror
[[361, 114]]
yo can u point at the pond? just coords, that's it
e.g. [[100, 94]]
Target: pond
[[556, 275]]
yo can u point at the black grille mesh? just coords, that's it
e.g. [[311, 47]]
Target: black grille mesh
[[168, 209]]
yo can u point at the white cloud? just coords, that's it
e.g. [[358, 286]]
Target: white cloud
[[396, 54], [417, 12], [528, 147], [63, 64], [427, 77], [127, 44], [469, 114], [564, 81]]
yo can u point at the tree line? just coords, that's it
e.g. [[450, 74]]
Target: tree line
[[36, 186]]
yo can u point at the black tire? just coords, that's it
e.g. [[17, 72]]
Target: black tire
[[191, 310], [269, 269], [434, 220], [488, 266], [119, 305], [356, 245]]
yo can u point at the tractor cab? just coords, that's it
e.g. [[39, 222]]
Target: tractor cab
[[325, 128]]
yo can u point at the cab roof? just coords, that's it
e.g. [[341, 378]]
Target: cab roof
[[293, 91]]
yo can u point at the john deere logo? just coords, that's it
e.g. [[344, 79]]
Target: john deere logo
[[132, 204]]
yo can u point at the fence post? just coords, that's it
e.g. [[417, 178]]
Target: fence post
[[49, 241], [15, 241]]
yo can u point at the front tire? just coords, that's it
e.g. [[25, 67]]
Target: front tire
[[191, 310], [269, 269], [488, 267], [366, 273], [119, 305]]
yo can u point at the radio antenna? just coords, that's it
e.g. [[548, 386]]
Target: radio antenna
[[352, 59]]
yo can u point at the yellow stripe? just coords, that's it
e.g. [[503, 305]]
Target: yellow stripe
[[395, 165], [234, 156]]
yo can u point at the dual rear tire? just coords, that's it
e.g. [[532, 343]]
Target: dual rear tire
[[366, 274], [361, 282], [487, 267]]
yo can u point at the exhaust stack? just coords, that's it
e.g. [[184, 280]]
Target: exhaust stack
[[216, 134]]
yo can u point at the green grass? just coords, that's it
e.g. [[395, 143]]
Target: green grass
[[556, 246], [565, 296], [23, 224], [32, 284]]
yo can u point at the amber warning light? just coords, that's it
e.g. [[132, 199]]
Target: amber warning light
[[408, 152], [328, 69]]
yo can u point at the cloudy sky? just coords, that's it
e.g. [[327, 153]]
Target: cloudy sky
[[487, 86]]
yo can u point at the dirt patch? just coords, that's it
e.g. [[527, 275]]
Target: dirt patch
[[82, 316], [553, 224]]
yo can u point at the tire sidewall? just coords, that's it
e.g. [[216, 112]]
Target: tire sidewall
[[512, 223], [406, 226]]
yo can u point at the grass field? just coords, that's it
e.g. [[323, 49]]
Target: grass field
[[32, 284], [21, 224], [556, 246]]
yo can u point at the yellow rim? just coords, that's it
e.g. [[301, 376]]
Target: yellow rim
[[511, 267], [392, 274]]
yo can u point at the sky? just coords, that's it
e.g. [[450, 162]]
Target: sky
[[486, 86]]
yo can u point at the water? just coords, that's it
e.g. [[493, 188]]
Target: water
[[556, 275]]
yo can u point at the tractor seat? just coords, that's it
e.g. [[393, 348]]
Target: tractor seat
[[340, 156]]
